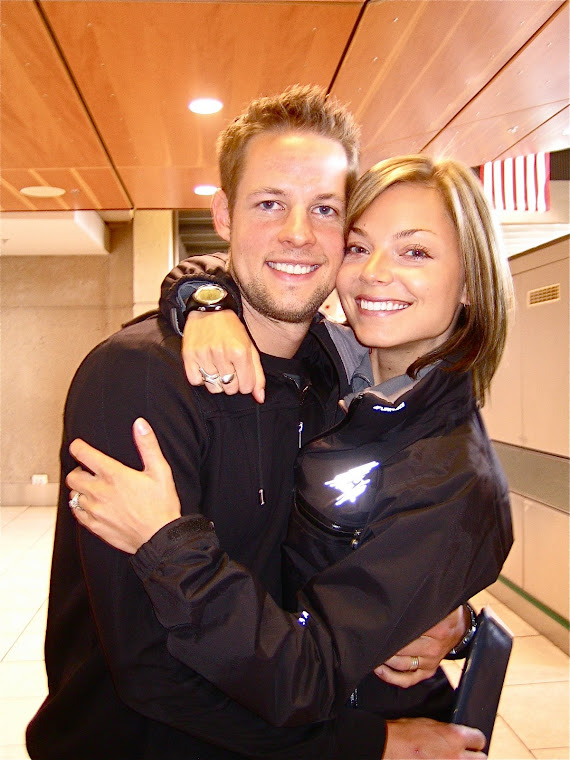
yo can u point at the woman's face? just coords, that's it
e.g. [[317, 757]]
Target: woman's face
[[401, 282]]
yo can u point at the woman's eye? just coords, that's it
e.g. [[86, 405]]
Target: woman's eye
[[416, 253]]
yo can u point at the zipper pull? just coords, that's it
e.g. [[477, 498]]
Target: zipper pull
[[356, 538], [300, 433]]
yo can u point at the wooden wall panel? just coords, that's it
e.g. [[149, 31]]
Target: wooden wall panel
[[526, 93], [554, 133], [139, 64], [413, 64], [95, 94], [44, 124]]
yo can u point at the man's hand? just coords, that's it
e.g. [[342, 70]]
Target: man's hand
[[219, 344], [124, 507], [426, 652], [425, 738]]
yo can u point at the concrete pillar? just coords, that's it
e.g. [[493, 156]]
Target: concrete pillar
[[153, 256]]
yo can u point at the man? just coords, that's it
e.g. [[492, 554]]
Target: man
[[115, 691]]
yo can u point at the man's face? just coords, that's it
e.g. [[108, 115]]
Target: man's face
[[286, 227]]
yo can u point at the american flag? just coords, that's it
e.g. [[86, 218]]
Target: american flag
[[518, 184]]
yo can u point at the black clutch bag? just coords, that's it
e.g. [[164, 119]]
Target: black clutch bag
[[479, 690]]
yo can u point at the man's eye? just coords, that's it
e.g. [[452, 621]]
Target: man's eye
[[326, 211], [269, 205], [355, 250]]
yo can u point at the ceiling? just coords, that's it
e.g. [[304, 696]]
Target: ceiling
[[95, 92]]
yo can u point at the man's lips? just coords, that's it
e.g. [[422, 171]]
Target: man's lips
[[367, 305], [290, 268]]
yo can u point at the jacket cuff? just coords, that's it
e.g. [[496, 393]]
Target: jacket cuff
[[168, 540], [185, 278], [359, 734]]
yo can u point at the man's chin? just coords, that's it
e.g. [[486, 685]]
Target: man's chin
[[293, 315], [288, 309]]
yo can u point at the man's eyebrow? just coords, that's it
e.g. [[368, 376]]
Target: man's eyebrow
[[268, 191], [330, 197], [279, 191]]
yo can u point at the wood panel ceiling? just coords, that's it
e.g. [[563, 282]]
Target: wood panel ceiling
[[95, 92]]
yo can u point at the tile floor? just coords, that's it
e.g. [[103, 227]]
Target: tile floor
[[533, 712]]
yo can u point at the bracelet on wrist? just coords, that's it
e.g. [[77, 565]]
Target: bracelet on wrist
[[460, 649]]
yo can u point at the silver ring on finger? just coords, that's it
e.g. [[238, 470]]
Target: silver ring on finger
[[207, 377], [226, 379], [415, 664], [74, 502]]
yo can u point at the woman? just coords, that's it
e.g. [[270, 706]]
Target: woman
[[403, 501]]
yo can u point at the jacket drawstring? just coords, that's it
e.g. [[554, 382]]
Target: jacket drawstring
[[261, 490]]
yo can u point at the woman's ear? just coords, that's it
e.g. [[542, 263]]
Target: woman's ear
[[221, 214], [464, 296]]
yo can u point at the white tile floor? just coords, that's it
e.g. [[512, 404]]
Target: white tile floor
[[533, 713]]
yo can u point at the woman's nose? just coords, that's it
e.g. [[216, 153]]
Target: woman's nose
[[378, 267], [297, 229]]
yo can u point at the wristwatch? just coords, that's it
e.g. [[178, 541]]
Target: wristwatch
[[210, 297], [460, 649]]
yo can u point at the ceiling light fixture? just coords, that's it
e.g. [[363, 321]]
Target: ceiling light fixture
[[205, 105], [42, 191], [205, 189]]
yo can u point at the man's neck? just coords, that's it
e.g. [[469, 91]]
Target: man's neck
[[273, 337]]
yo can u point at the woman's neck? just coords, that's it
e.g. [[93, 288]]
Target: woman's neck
[[387, 363]]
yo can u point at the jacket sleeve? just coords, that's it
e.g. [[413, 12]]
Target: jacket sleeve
[[186, 277], [116, 384], [421, 561]]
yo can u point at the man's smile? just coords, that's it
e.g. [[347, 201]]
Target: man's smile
[[292, 268]]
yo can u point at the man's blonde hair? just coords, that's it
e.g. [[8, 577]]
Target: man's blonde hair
[[300, 107], [478, 341]]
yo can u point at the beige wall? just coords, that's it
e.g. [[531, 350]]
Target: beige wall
[[54, 309], [529, 412], [529, 403]]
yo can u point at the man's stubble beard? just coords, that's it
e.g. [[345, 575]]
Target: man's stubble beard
[[263, 303]]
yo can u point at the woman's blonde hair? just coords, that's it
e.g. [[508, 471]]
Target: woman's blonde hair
[[479, 338]]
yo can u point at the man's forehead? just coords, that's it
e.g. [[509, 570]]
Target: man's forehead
[[275, 158]]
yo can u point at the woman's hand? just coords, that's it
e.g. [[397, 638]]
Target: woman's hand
[[420, 659], [426, 738], [218, 343], [124, 507]]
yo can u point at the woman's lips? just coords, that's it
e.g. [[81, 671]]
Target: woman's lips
[[384, 305]]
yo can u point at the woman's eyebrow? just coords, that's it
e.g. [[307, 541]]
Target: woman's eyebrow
[[408, 233]]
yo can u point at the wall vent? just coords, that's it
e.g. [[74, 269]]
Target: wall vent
[[546, 294]]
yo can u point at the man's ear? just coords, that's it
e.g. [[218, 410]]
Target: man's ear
[[221, 214]]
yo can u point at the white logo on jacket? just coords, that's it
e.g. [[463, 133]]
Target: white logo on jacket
[[352, 483]]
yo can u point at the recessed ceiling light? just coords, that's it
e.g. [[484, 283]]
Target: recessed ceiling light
[[42, 191], [205, 189], [205, 105]]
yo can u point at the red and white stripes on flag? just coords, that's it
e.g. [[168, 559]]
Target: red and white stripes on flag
[[518, 184]]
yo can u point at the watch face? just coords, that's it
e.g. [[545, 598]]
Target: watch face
[[208, 295]]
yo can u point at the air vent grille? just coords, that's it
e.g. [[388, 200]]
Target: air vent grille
[[546, 294]]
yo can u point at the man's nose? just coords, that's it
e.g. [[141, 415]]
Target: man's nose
[[297, 229], [378, 268]]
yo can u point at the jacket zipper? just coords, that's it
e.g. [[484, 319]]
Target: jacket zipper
[[353, 535]]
